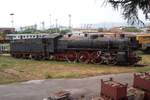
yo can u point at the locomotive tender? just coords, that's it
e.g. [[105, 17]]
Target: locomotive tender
[[86, 49]]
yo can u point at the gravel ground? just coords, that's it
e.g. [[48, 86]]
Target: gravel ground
[[39, 89]]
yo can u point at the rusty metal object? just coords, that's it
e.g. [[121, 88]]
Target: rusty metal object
[[135, 94], [142, 81], [113, 90], [99, 98], [147, 96], [61, 95]]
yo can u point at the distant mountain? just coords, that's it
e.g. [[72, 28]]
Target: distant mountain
[[108, 25]]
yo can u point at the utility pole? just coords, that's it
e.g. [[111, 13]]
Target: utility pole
[[50, 21], [43, 25], [12, 19], [70, 21], [35, 26], [56, 25]]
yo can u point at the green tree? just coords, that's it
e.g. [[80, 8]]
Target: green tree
[[100, 29], [65, 31], [2, 34], [130, 9], [53, 30], [28, 31], [131, 29]]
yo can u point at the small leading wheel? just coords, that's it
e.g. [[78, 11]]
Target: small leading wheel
[[84, 57], [71, 56], [96, 58]]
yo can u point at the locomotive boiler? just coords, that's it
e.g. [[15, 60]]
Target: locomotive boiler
[[92, 49]]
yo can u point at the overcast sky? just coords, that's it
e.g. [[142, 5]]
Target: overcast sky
[[29, 12]]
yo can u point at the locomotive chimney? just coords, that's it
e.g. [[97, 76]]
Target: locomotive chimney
[[69, 35], [85, 35]]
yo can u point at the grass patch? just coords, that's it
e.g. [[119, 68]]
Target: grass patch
[[16, 70], [62, 75], [48, 76], [4, 65]]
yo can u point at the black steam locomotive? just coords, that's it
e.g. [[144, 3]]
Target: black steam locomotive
[[87, 49]]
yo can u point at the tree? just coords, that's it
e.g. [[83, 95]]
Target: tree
[[2, 34], [131, 29], [53, 30], [100, 29], [130, 9], [65, 31]]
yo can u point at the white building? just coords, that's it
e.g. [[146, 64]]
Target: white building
[[26, 36]]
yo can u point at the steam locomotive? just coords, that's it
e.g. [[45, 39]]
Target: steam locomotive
[[87, 49]]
